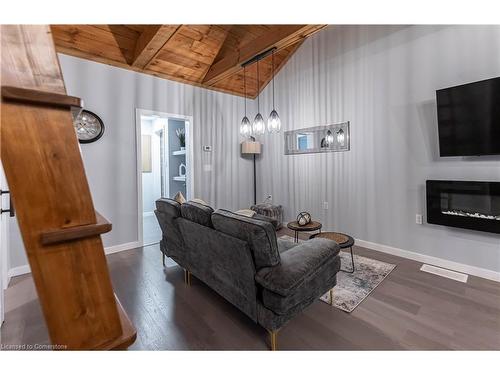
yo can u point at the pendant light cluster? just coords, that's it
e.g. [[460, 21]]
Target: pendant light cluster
[[258, 126]]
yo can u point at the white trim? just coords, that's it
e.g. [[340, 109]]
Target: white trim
[[22, 270], [18, 271], [124, 246], [439, 262]]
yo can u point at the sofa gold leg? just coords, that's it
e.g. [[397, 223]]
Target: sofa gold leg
[[187, 277], [331, 297], [273, 338]]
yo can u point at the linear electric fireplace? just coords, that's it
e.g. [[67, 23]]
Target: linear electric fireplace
[[464, 204]]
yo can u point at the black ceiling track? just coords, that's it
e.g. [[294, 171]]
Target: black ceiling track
[[258, 57]]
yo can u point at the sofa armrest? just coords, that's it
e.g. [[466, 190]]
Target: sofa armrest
[[298, 264]]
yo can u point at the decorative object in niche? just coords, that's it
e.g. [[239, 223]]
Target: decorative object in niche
[[328, 138], [181, 134], [182, 170], [303, 218]]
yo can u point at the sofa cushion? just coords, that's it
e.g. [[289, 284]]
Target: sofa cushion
[[168, 213], [285, 244], [245, 212], [199, 213], [306, 271], [269, 219], [260, 235], [200, 201], [169, 206]]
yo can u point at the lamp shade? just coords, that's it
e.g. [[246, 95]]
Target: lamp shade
[[250, 148]]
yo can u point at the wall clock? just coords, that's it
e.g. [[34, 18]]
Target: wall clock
[[88, 126]]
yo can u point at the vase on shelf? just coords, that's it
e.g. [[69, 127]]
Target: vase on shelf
[[182, 170], [183, 148]]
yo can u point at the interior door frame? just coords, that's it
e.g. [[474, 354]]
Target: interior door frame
[[138, 149]]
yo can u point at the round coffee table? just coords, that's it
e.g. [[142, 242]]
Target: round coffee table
[[344, 240], [309, 227]]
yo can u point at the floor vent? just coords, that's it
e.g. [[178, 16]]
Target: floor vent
[[462, 277]]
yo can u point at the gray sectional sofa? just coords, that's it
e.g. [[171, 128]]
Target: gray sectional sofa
[[269, 279]]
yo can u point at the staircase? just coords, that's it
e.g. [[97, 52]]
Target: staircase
[[44, 169]]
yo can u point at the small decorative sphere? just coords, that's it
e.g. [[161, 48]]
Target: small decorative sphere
[[303, 218]]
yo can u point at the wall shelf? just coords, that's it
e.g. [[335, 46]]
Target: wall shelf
[[179, 152], [179, 178]]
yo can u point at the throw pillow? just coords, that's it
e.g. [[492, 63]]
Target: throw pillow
[[179, 198], [245, 212]]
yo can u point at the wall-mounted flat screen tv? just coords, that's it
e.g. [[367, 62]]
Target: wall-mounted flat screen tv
[[469, 119]]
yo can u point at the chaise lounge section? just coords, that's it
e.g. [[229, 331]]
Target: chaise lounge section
[[271, 280]]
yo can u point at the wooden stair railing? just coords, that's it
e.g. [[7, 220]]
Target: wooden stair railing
[[44, 169]]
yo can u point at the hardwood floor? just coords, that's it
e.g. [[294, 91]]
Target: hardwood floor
[[410, 309]]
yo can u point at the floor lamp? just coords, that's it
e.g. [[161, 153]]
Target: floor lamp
[[252, 147]]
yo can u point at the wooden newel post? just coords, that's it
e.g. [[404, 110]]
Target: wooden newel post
[[60, 228]]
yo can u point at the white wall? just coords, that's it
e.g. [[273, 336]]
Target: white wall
[[382, 79], [221, 177]]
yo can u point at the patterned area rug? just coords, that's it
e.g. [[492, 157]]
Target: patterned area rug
[[353, 288]]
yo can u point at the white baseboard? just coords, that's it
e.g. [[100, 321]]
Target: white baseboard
[[18, 271], [24, 269], [122, 247], [440, 262]]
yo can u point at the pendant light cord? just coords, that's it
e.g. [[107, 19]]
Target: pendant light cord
[[245, 87], [272, 56], [258, 88]]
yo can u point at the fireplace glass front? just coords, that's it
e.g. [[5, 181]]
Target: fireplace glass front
[[464, 204]]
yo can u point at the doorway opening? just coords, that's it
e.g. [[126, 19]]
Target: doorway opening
[[164, 156]]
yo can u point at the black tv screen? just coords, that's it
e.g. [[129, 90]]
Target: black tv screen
[[469, 119]]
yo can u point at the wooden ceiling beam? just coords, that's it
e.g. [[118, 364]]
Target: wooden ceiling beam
[[150, 42], [281, 37]]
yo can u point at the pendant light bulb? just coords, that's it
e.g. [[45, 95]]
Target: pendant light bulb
[[273, 122], [245, 127], [258, 125]]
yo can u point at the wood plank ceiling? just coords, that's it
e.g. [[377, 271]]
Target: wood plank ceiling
[[208, 56]]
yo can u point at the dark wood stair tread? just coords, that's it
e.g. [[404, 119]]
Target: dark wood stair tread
[[73, 233]]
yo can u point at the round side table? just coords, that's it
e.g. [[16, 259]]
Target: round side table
[[344, 240], [309, 227]]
